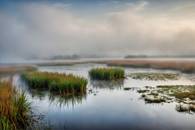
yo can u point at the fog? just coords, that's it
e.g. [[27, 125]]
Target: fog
[[43, 29]]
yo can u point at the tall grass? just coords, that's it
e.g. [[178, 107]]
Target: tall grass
[[61, 83], [14, 108], [107, 73]]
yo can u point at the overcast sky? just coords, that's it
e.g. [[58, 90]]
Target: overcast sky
[[102, 27]]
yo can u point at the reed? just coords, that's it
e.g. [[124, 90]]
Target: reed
[[61, 83], [14, 108], [107, 73]]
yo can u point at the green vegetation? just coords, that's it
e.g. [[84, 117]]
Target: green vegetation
[[61, 83], [107, 73], [178, 91], [14, 108], [154, 76]]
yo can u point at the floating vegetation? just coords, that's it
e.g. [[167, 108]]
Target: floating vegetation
[[178, 91], [107, 73], [64, 84], [154, 76], [15, 111]]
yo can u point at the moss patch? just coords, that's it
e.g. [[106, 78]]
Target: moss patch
[[178, 91], [154, 76]]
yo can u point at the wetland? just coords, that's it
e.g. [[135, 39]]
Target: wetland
[[156, 99]]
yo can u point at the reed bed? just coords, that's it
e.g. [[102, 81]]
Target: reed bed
[[109, 73], [64, 84], [14, 108]]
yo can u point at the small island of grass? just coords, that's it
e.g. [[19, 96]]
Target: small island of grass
[[107, 73], [154, 76], [64, 84]]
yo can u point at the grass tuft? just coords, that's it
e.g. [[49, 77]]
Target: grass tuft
[[61, 83], [107, 73], [14, 108]]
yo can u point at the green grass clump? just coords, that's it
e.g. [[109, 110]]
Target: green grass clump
[[55, 82], [14, 108], [107, 73]]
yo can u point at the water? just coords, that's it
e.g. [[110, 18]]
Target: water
[[107, 106]]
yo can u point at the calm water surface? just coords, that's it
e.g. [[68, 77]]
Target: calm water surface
[[107, 106]]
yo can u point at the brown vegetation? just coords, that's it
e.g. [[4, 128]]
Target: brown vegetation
[[182, 65], [16, 69], [14, 108]]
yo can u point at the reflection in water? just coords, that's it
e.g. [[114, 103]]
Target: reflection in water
[[56, 99], [67, 100], [115, 84], [38, 94]]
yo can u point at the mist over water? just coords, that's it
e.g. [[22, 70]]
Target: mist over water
[[97, 64], [43, 29]]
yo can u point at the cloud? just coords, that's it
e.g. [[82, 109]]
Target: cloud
[[44, 29]]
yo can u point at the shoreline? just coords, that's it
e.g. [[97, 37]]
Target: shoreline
[[183, 65]]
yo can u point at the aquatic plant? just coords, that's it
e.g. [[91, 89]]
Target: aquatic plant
[[14, 108], [107, 73], [154, 76], [178, 91], [61, 83]]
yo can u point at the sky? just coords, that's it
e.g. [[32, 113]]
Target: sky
[[44, 28]]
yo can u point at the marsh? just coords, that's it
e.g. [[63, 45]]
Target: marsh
[[97, 64], [106, 104]]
